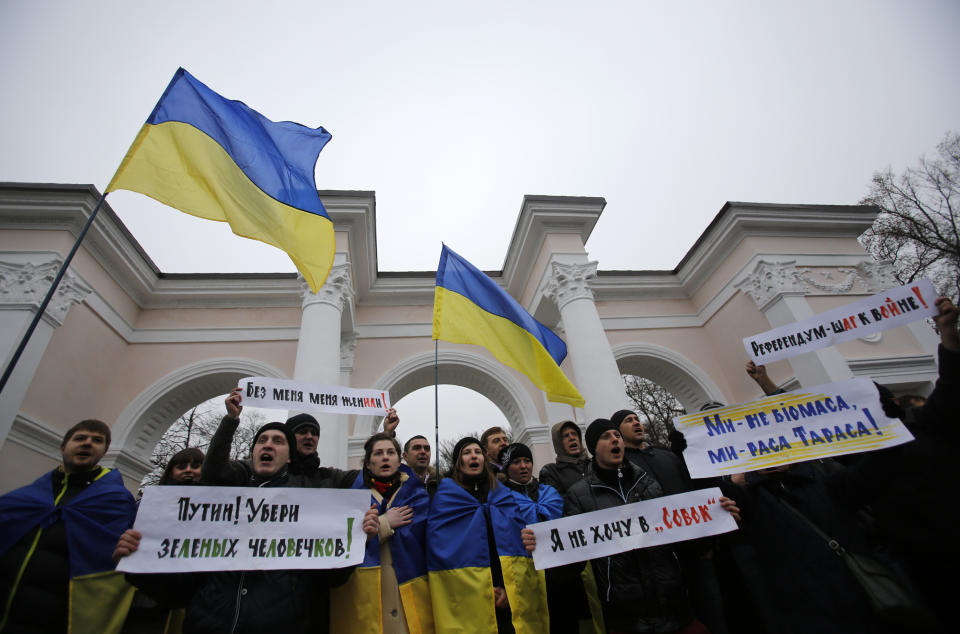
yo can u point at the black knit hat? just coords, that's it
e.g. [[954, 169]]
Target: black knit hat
[[291, 440], [618, 417], [296, 422], [597, 429], [463, 442], [513, 451]]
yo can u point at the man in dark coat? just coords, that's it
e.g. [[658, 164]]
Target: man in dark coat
[[253, 601], [572, 458], [639, 590], [59, 529]]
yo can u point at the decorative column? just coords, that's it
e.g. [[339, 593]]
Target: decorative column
[[319, 357], [22, 288], [779, 292], [594, 367]]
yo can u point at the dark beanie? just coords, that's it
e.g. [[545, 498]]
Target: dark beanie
[[596, 429], [291, 441], [618, 417], [296, 422], [461, 444], [513, 451]]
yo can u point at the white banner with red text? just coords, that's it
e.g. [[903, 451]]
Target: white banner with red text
[[198, 528], [663, 520], [888, 309], [259, 391]]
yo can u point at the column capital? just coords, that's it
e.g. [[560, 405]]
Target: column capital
[[337, 291], [24, 285], [770, 280], [568, 282], [348, 348]]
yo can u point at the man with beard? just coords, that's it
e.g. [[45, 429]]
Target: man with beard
[[572, 458]]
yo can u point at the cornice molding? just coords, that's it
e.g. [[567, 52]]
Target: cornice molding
[[25, 285]]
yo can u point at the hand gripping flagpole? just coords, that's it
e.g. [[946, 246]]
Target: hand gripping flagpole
[[46, 300]]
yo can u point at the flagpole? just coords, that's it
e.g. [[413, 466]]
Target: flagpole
[[46, 300], [436, 401]]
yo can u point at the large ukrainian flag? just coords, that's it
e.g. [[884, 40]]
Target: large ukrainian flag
[[94, 520], [218, 159], [357, 604], [469, 307], [458, 557]]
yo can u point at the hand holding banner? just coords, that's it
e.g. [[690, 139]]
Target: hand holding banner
[[198, 528], [663, 520], [888, 309], [259, 391], [827, 420]]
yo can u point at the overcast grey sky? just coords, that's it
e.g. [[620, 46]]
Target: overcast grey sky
[[452, 112]]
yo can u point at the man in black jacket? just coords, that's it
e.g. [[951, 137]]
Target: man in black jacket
[[640, 590], [251, 601], [572, 459]]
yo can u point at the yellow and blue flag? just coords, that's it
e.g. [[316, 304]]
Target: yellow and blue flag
[[219, 159], [94, 519], [458, 558], [469, 307], [548, 505], [358, 603]]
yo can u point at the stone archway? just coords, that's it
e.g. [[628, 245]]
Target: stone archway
[[463, 369], [677, 374], [142, 423]]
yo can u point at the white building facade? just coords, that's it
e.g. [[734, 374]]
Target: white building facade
[[132, 346]]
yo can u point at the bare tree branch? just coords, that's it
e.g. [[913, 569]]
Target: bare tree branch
[[918, 229]]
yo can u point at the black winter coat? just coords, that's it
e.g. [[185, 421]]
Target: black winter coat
[[641, 590], [254, 602]]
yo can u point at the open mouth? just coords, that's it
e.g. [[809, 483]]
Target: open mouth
[[615, 451], [474, 464], [266, 457]]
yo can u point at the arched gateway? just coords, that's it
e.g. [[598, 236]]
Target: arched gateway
[[130, 345]]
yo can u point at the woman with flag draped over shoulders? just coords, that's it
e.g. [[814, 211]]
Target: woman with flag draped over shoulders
[[481, 578], [389, 591]]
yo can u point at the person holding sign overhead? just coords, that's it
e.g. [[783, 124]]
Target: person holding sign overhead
[[253, 601]]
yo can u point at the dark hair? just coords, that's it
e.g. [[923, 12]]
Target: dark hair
[[486, 436], [406, 445], [372, 440], [91, 424], [455, 471], [190, 455]]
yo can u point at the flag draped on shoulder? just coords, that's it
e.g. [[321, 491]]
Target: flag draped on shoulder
[[219, 159], [94, 519], [458, 558], [358, 602], [469, 307], [548, 506]]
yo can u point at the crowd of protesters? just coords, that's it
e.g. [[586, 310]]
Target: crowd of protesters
[[783, 571]]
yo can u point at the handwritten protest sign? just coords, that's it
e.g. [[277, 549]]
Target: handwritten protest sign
[[885, 310], [827, 420], [195, 528], [259, 391], [664, 520]]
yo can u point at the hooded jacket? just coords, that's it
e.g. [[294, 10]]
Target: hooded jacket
[[567, 470]]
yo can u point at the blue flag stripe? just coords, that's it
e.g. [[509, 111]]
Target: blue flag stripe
[[279, 157], [456, 274]]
